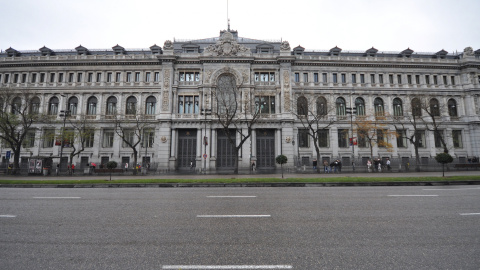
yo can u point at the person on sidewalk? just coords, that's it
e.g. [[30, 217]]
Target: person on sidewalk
[[389, 168], [326, 168]]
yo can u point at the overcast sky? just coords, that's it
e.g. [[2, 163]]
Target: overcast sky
[[422, 25]]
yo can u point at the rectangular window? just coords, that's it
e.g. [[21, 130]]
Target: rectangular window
[[452, 79], [137, 76], [128, 138], [315, 77], [427, 79], [305, 77], [343, 138], [335, 80], [107, 141], [148, 138], [70, 77], [401, 138], [445, 80], [372, 78], [323, 138], [266, 104], [438, 141], [7, 78], [399, 79], [129, 77], [409, 79], [157, 76], [417, 79], [380, 78], [457, 138], [15, 78], [362, 138], [435, 80], [344, 78], [381, 138], [297, 77], [188, 104], [79, 77], [89, 138], [354, 78], [420, 135], [42, 77], [264, 76], [118, 76], [390, 78], [191, 76], [34, 78], [48, 138], [324, 77], [147, 77], [24, 78], [362, 78], [60, 77], [90, 77], [302, 138], [109, 77], [52, 77], [29, 140], [99, 77]]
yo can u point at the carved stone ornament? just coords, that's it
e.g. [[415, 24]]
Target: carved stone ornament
[[285, 46], [165, 101], [468, 51], [288, 139], [168, 45], [163, 139], [227, 46]]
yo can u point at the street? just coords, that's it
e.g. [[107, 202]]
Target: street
[[241, 228]]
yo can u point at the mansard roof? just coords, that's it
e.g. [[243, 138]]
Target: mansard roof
[[12, 52], [46, 51], [82, 50], [441, 54], [407, 52], [371, 52], [156, 49], [335, 50]]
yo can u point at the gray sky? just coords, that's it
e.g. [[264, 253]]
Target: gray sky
[[422, 25]]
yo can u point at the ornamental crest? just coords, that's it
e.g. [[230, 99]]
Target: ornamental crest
[[227, 46]]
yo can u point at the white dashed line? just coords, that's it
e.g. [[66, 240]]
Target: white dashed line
[[442, 189], [231, 196], [7, 216], [412, 195], [203, 267], [57, 197], [469, 214], [233, 216]]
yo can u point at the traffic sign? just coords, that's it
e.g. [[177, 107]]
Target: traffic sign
[[7, 155], [205, 156]]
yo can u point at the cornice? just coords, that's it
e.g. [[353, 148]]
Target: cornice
[[77, 64]]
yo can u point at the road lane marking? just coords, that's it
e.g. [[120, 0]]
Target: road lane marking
[[203, 267], [231, 196], [57, 197], [469, 214], [7, 216], [436, 189], [232, 216], [412, 195]]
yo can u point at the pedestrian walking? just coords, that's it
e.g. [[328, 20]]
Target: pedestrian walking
[[325, 166], [369, 165], [315, 164], [253, 166], [388, 165]]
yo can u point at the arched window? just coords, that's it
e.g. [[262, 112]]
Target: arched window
[[379, 108], [92, 106], [53, 106], [416, 107], [111, 106], [16, 105], [397, 107], [73, 105], [131, 105], [302, 106], [434, 107], [150, 105], [360, 106], [35, 105], [322, 108], [340, 106], [226, 95], [452, 108]]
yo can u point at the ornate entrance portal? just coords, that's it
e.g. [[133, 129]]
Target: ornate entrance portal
[[187, 148], [265, 149]]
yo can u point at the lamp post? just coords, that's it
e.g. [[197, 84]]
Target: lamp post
[[205, 139], [63, 113], [352, 110]]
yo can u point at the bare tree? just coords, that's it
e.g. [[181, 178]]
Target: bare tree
[[314, 117], [19, 110], [77, 136], [374, 131], [433, 122], [131, 128], [233, 112]]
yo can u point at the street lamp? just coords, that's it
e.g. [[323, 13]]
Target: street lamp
[[63, 113], [205, 139], [352, 110]]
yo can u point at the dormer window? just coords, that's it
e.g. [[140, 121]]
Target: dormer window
[[299, 50], [335, 51], [81, 50], [45, 51], [407, 53], [190, 48], [12, 52], [118, 50], [371, 52], [265, 48], [441, 54], [156, 49]]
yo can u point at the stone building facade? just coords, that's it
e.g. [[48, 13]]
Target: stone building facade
[[172, 86]]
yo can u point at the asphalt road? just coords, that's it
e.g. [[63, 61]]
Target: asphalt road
[[241, 228]]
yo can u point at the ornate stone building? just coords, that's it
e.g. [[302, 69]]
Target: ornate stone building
[[173, 86]]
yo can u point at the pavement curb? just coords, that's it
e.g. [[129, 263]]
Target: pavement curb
[[291, 184]]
